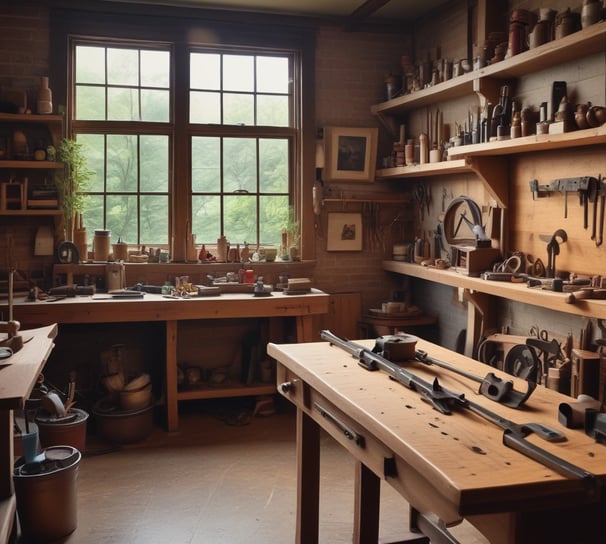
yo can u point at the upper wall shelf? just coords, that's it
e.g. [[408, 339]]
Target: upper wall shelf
[[491, 170], [534, 142], [580, 44], [518, 292]]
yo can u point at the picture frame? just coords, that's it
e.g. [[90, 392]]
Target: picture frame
[[350, 154], [344, 232]]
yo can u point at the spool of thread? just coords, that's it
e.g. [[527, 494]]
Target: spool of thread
[[120, 251], [81, 243], [101, 244]]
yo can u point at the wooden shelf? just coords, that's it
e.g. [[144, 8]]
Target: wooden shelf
[[578, 45], [30, 118], [46, 165], [424, 170], [30, 212], [535, 142], [517, 292], [492, 171], [223, 391], [376, 200]]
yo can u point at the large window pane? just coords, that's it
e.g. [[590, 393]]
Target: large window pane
[[273, 166], [154, 220], [153, 175], [121, 213], [205, 71], [272, 75], [90, 103], [273, 212], [155, 105], [122, 163], [272, 110], [238, 73], [155, 69], [206, 218], [238, 109], [90, 64], [122, 66], [204, 108], [239, 164], [206, 165], [122, 104], [94, 213], [93, 148], [240, 219]]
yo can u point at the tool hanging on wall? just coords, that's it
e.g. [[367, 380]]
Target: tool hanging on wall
[[553, 249], [565, 186]]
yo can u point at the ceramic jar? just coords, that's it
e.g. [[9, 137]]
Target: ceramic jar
[[101, 245], [45, 97], [590, 12]]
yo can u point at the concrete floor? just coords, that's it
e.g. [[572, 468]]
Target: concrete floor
[[218, 482]]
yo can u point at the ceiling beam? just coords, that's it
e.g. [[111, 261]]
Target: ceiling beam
[[363, 12]]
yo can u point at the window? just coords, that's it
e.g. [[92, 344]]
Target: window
[[239, 124], [241, 178], [122, 118]]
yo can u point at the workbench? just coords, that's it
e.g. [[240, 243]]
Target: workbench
[[447, 467], [17, 378], [101, 308]]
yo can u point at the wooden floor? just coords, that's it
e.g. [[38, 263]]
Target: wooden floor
[[225, 477]]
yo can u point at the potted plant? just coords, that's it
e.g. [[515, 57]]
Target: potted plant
[[71, 182]]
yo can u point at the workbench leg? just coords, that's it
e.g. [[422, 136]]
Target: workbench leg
[[305, 331], [308, 479], [367, 500], [172, 403]]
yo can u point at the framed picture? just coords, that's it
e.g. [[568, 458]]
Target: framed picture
[[344, 232], [350, 154]]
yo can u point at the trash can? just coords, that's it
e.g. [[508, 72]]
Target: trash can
[[46, 493]]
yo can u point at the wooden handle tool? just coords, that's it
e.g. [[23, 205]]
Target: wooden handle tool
[[586, 294]]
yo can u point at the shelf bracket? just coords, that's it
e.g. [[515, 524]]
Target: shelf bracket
[[391, 124], [480, 317], [494, 172]]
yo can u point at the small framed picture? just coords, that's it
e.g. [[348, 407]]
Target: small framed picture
[[344, 232], [350, 154]]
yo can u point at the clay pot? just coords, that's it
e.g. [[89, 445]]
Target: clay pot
[[580, 116], [591, 117], [599, 112]]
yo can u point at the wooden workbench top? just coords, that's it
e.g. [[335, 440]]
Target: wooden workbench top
[[101, 308], [460, 456], [19, 373]]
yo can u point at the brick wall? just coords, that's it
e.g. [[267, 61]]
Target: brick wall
[[350, 73], [24, 47], [351, 67]]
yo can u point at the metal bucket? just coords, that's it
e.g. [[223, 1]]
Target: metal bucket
[[58, 433], [46, 494]]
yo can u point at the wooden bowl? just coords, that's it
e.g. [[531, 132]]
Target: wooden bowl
[[136, 399]]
